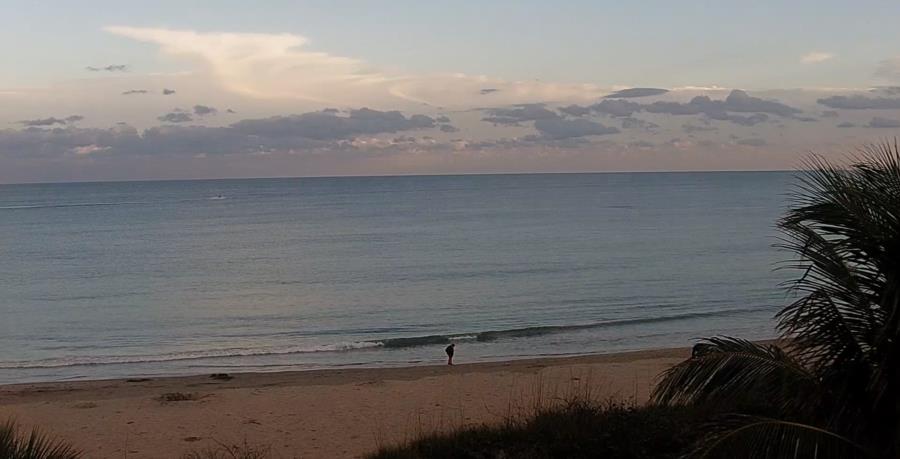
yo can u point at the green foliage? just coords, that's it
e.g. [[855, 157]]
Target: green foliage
[[834, 389], [16, 444], [577, 430]]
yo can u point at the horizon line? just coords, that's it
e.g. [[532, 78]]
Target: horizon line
[[464, 174]]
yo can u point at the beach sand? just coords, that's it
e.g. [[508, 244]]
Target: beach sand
[[317, 414]]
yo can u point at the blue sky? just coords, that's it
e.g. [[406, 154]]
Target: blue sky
[[638, 43], [258, 60]]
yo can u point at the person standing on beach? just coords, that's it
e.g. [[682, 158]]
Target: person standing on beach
[[449, 351]]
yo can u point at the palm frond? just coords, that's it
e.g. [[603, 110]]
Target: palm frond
[[844, 228], [15, 444], [728, 372], [741, 437]]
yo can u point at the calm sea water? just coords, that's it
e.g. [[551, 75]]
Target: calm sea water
[[105, 280]]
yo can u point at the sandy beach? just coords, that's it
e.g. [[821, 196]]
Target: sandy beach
[[317, 414]]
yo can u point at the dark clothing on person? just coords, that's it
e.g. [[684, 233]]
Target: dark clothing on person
[[449, 351]]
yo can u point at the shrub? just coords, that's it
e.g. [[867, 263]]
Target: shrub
[[575, 430]]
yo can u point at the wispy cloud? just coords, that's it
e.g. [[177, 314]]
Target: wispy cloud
[[816, 57]]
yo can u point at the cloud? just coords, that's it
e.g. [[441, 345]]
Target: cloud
[[41, 143], [293, 70], [518, 114], [561, 128], [574, 110], [616, 107], [752, 142], [135, 91], [675, 108], [176, 117], [636, 92], [636, 123], [889, 69], [816, 57], [203, 110], [43, 122], [859, 102], [751, 120], [740, 101], [108, 68], [737, 101], [879, 122], [51, 121], [168, 92], [889, 90], [314, 130], [323, 126]]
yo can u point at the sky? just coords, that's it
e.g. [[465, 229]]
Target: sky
[[112, 90]]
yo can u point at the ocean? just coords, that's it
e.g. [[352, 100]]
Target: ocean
[[128, 279]]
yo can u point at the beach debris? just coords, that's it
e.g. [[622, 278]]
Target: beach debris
[[221, 376]]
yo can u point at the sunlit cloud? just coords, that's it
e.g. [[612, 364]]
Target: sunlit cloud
[[283, 66]]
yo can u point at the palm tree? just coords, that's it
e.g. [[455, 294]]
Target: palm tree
[[830, 387]]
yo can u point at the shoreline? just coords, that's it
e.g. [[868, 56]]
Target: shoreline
[[317, 413]]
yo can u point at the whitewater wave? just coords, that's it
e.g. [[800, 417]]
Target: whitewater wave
[[73, 204], [390, 343], [526, 332], [188, 355]]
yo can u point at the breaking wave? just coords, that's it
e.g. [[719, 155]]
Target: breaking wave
[[347, 346]]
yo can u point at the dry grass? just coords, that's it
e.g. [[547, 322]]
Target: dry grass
[[223, 451]]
